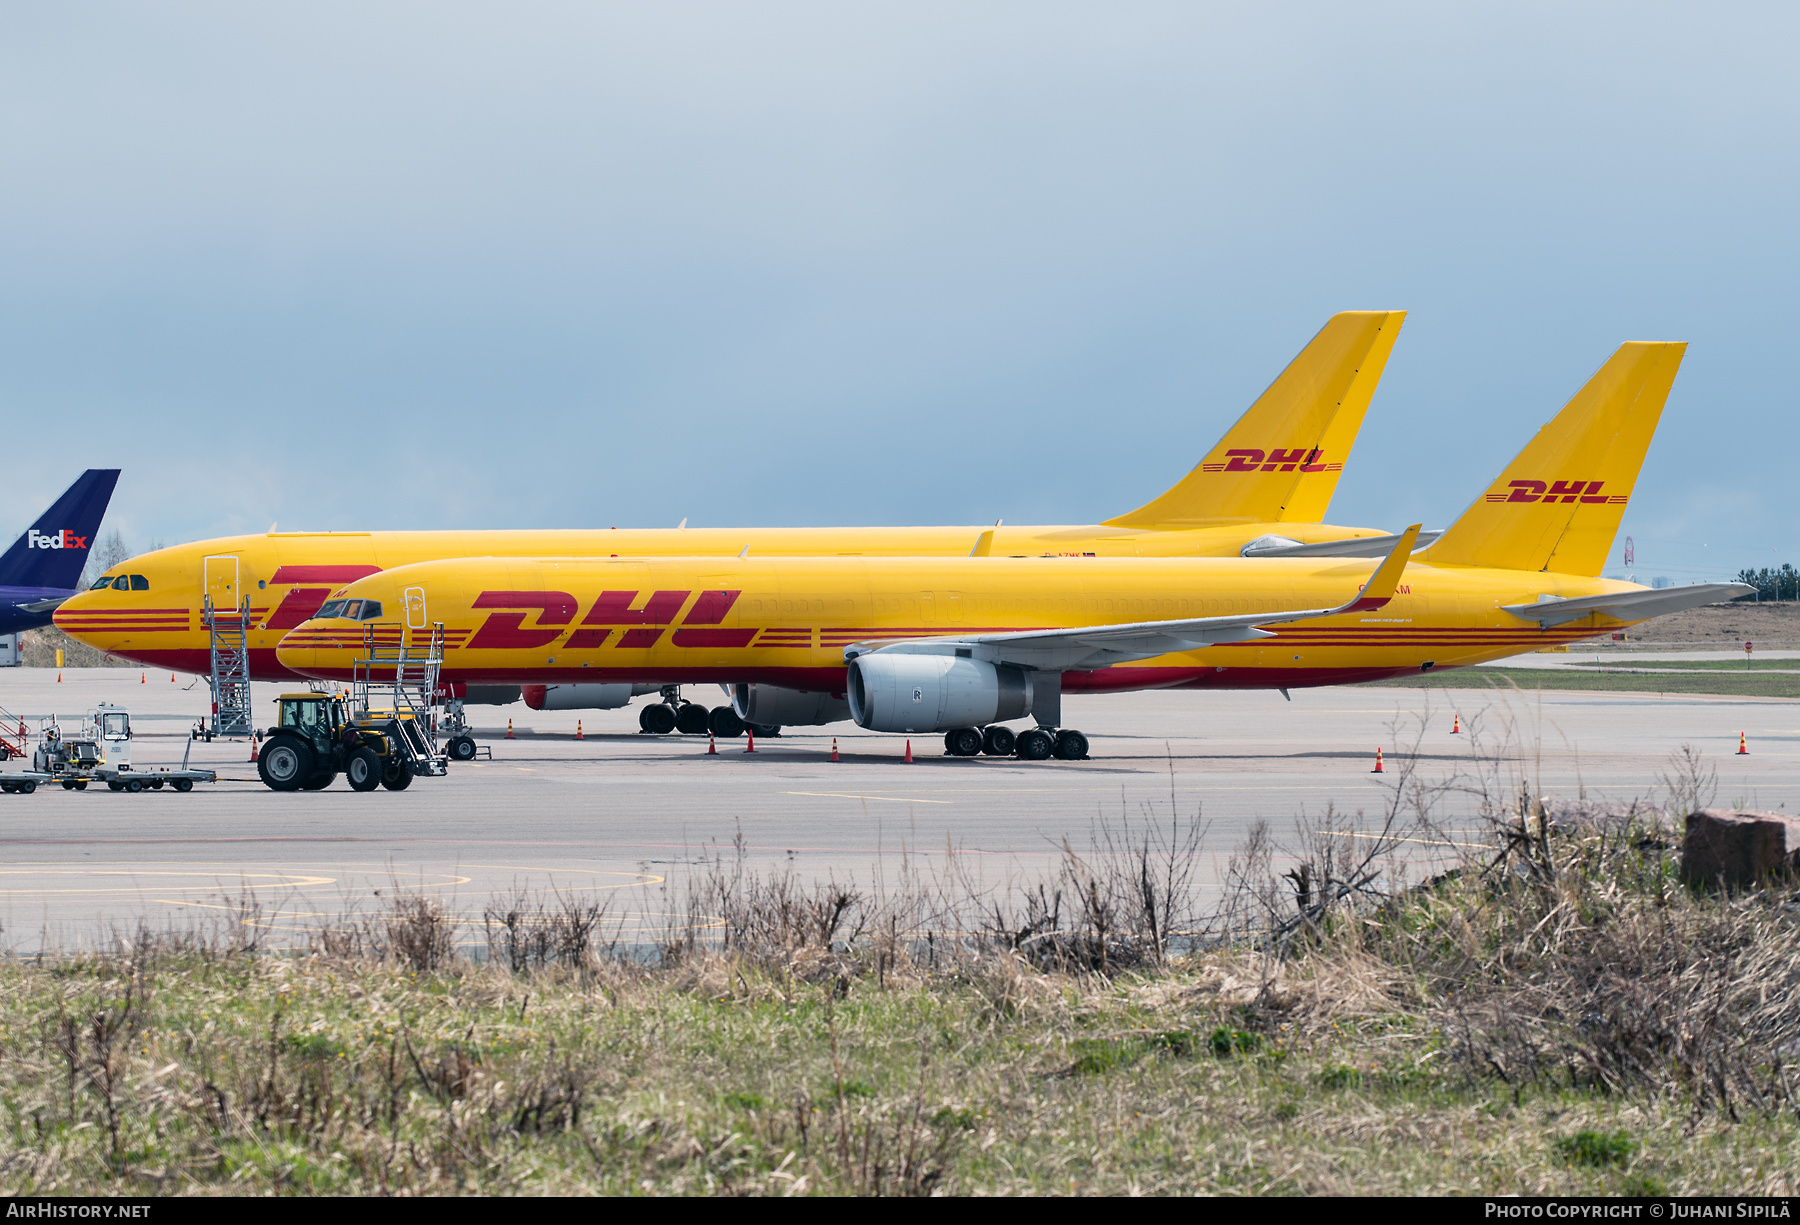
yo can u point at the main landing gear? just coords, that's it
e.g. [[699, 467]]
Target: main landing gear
[[676, 714], [1032, 744]]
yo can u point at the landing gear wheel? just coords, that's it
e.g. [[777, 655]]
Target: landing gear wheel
[[768, 731], [998, 741], [183, 784], [691, 719], [398, 775], [363, 770], [963, 741], [656, 719], [724, 723], [317, 782], [284, 764], [1071, 745], [462, 748], [1035, 744]]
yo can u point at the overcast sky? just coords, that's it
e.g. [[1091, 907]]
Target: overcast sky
[[541, 265]]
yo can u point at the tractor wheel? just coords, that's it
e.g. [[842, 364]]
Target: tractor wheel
[[398, 775], [285, 763], [363, 769]]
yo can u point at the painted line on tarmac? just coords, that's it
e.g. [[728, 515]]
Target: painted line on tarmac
[[854, 795]]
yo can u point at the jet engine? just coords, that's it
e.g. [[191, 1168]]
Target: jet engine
[[773, 706], [583, 697], [933, 693]]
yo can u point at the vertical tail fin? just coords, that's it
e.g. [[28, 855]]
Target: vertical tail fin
[[53, 550], [1559, 504], [1281, 461]]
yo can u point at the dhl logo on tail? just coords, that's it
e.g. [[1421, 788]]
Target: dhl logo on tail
[[1254, 459], [1544, 493]]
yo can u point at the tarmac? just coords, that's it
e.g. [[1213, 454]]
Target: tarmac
[[632, 818]]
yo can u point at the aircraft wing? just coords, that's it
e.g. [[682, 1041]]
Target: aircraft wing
[[1627, 605], [44, 606], [1360, 546], [1093, 646]]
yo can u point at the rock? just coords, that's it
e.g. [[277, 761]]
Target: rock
[[1739, 848]]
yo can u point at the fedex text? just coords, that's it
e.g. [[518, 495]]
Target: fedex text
[[64, 539]]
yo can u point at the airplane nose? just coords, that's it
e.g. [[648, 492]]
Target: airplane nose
[[73, 605]]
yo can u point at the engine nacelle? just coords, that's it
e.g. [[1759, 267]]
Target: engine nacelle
[[933, 693], [583, 697], [773, 706]]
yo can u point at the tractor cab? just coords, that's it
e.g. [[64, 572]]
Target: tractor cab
[[316, 718]]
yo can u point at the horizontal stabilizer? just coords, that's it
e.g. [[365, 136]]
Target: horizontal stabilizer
[[1094, 646], [1359, 546], [1627, 605]]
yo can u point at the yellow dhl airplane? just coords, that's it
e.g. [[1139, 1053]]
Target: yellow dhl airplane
[[1262, 490], [961, 645]]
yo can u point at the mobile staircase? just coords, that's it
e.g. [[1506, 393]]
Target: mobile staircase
[[397, 680], [14, 740], [229, 635]]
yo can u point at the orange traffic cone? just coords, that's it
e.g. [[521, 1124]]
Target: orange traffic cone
[[171, 678], [143, 678], [834, 755], [509, 734], [253, 749], [751, 747], [578, 734], [59, 678], [908, 757], [1377, 769], [1743, 749], [712, 745], [1456, 725]]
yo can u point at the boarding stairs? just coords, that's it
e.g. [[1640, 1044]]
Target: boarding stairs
[[13, 739], [401, 677], [229, 635]]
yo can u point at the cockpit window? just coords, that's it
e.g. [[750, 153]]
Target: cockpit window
[[121, 584], [102, 583], [139, 583], [353, 610]]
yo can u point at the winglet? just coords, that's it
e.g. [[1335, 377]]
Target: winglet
[[1380, 587], [984, 544]]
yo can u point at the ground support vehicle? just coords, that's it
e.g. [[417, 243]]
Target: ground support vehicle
[[384, 734], [22, 783], [100, 752]]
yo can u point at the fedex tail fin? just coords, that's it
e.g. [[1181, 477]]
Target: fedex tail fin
[[1281, 461], [1559, 504], [53, 550]]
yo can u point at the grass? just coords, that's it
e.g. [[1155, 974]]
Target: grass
[[1565, 1020], [1562, 1017], [1612, 679]]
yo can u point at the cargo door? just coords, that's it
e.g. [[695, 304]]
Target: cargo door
[[221, 579]]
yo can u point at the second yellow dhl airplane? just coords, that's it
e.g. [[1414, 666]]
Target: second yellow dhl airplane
[[1262, 490], [962, 645]]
